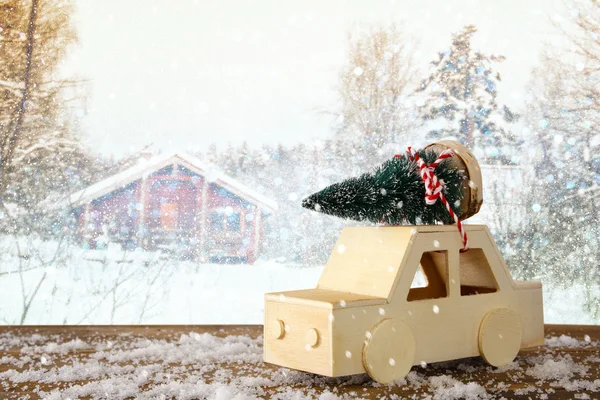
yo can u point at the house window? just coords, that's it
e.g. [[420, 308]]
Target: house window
[[217, 222], [431, 278], [225, 222], [233, 222]]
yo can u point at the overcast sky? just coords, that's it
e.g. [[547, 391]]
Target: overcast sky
[[185, 73]]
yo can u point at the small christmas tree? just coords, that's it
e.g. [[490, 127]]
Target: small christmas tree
[[395, 193]]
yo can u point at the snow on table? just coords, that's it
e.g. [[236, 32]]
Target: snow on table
[[225, 362]]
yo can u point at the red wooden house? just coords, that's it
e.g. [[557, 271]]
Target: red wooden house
[[174, 202]]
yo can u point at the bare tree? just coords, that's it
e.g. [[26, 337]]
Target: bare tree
[[374, 89], [155, 283], [39, 147], [561, 238], [30, 259], [48, 279]]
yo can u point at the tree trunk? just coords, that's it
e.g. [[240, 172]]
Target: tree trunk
[[9, 143]]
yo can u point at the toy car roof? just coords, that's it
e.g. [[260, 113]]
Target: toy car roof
[[368, 261]]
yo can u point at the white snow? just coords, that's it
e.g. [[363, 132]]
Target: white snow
[[445, 387], [564, 341], [110, 287], [201, 365], [104, 287]]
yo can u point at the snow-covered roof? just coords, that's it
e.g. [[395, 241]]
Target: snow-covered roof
[[146, 167]]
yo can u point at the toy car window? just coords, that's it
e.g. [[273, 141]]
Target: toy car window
[[476, 276], [434, 267], [420, 280]]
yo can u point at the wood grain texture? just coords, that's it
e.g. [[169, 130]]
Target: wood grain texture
[[500, 336], [509, 384], [362, 258], [297, 348], [389, 351], [472, 188], [322, 298]]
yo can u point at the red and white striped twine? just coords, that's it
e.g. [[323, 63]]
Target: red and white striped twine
[[434, 187]]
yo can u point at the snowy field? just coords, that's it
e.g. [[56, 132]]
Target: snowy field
[[76, 286], [112, 287], [192, 294]]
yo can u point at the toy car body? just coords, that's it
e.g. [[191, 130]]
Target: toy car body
[[365, 315]]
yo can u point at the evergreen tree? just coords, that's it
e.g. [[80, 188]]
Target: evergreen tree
[[461, 102], [212, 154], [244, 158]]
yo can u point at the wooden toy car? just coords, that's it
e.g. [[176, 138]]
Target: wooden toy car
[[367, 315]]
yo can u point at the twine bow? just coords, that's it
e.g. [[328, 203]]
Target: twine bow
[[434, 187]]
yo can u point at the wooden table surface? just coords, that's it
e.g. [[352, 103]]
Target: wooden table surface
[[224, 361]]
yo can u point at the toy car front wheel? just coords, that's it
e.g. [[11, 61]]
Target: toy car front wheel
[[389, 351], [500, 335]]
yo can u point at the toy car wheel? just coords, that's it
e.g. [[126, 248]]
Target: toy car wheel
[[389, 351], [500, 335]]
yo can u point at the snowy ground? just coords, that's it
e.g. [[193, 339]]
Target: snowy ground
[[110, 287], [201, 365]]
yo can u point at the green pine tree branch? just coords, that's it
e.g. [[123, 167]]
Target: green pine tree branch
[[393, 193]]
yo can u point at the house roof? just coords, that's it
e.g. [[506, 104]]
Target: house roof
[[146, 167]]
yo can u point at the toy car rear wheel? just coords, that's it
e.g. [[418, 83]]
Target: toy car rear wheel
[[389, 351], [500, 335]]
